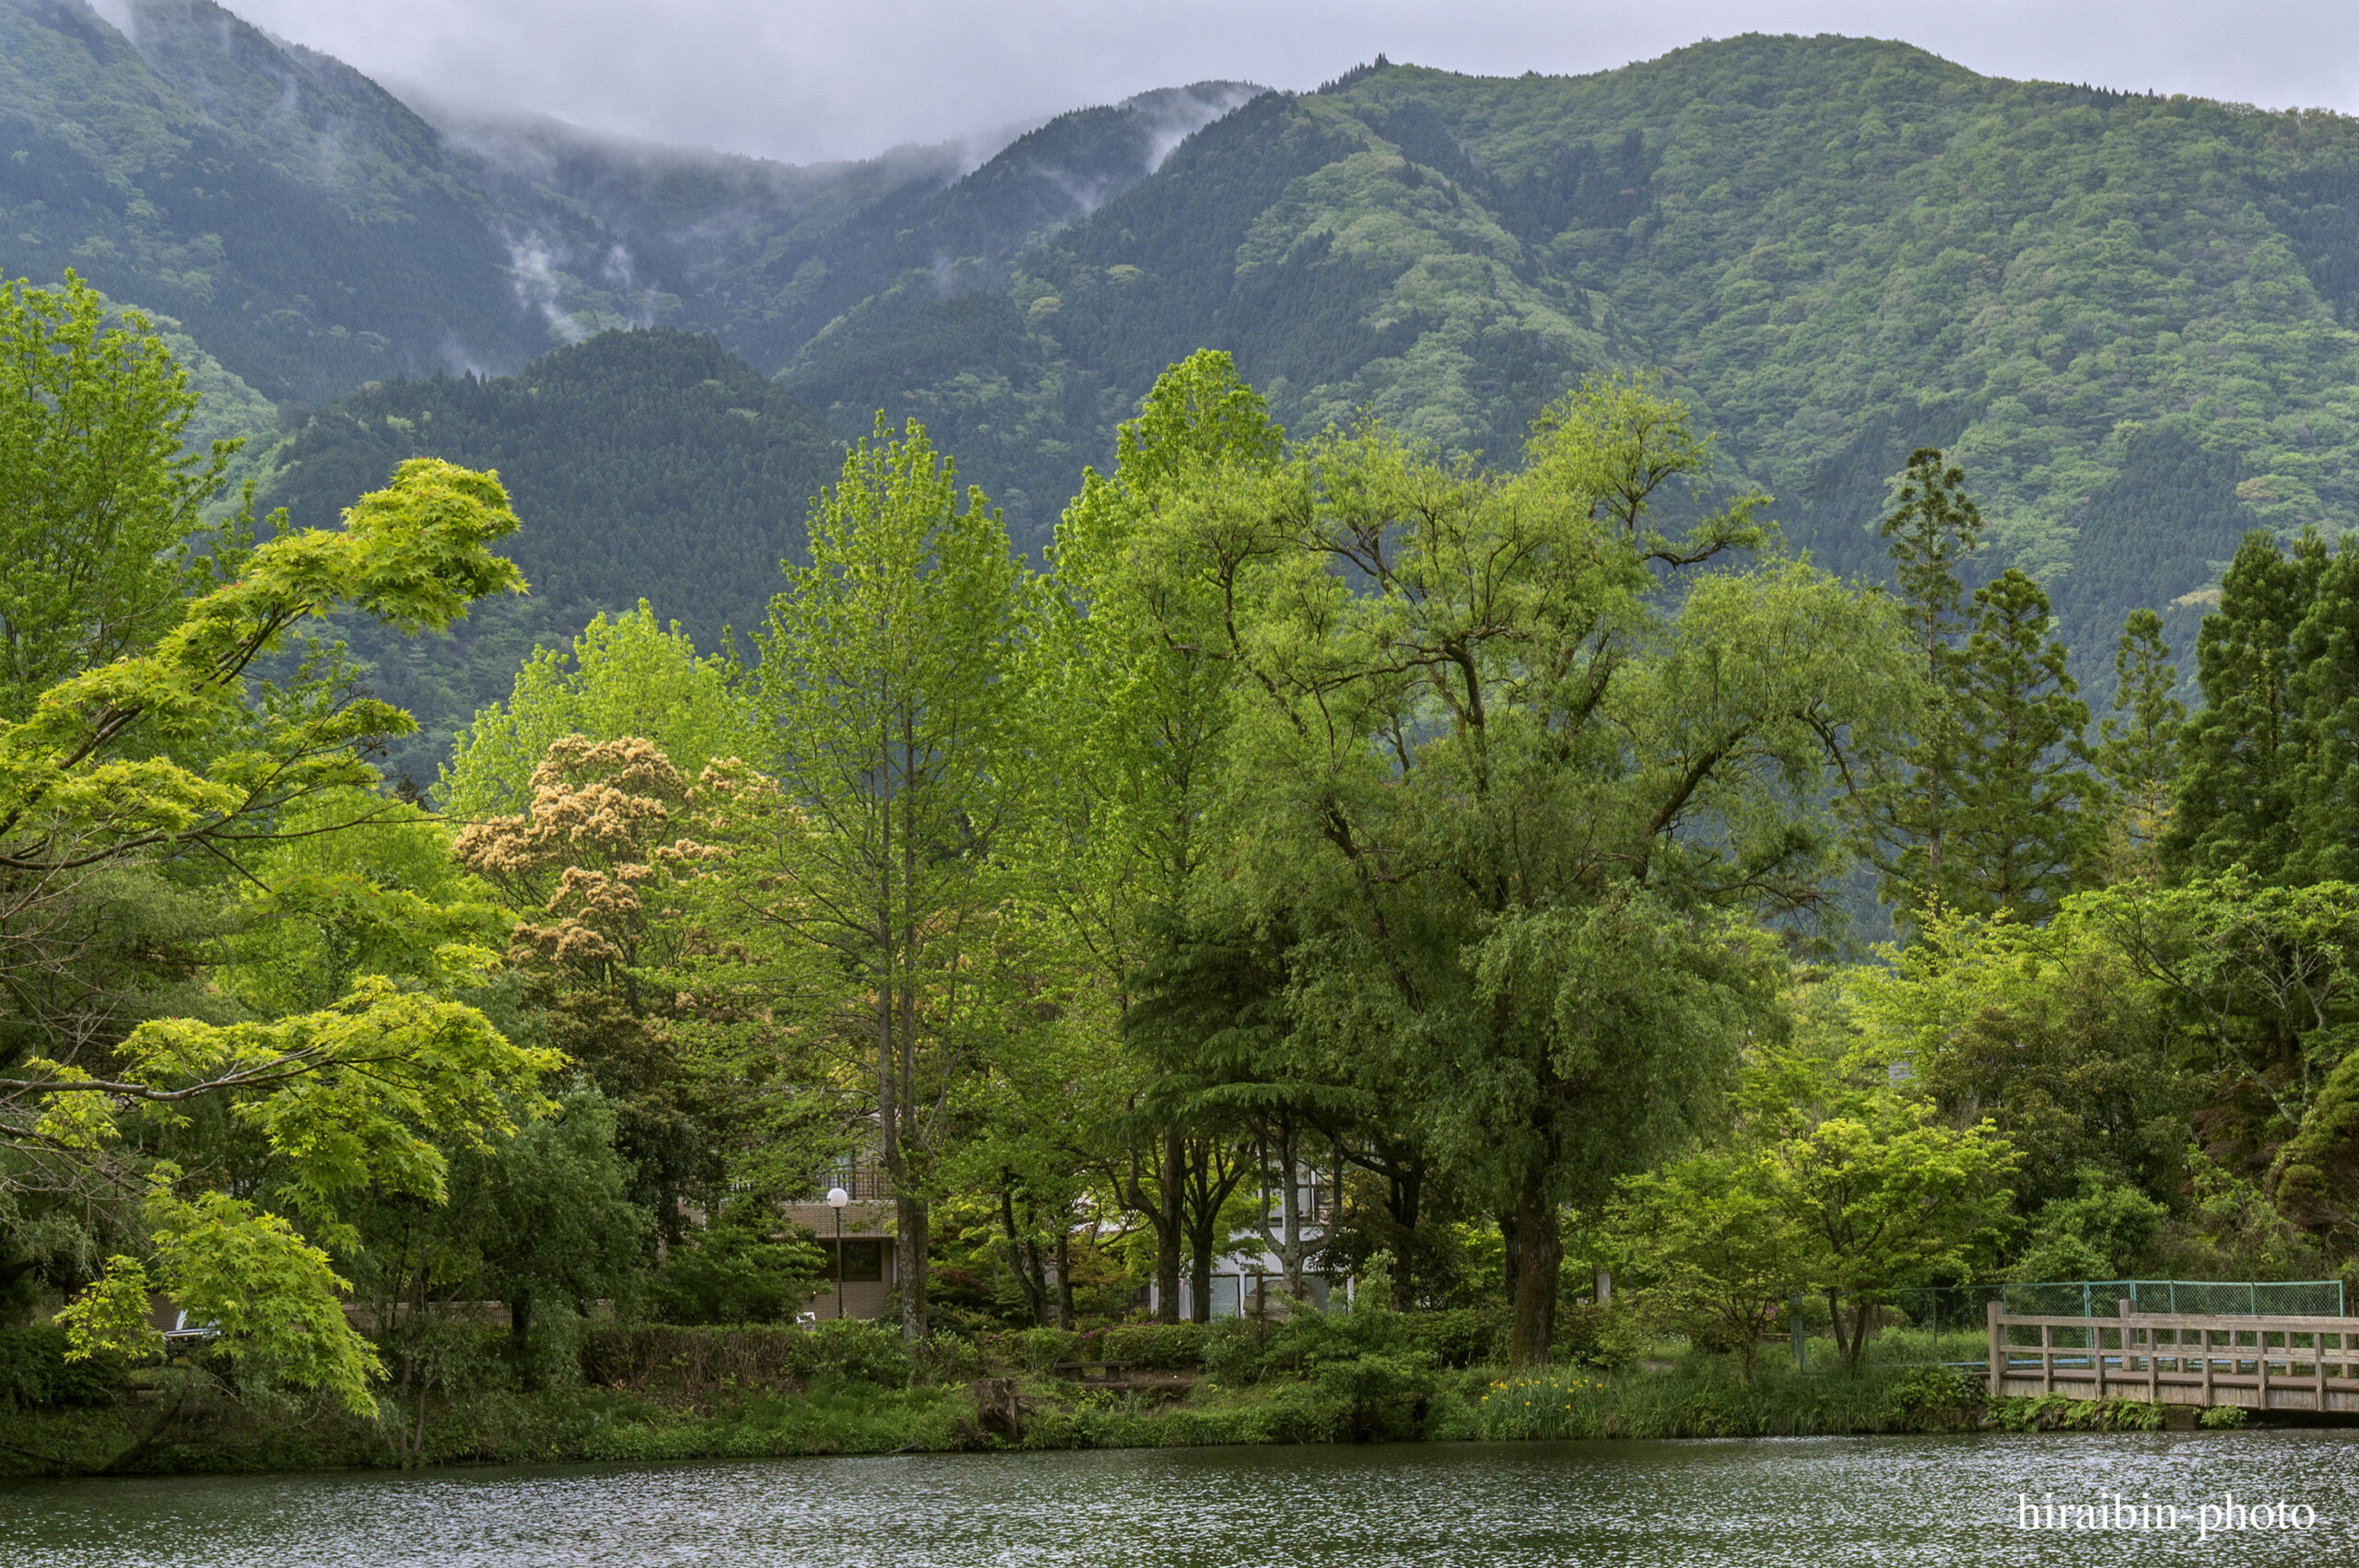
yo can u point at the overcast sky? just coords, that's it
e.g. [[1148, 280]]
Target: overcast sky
[[802, 81]]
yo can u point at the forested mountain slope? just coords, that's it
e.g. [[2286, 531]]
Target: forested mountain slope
[[649, 465], [313, 232], [307, 228], [2130, 315], [2127, 312], [766, 255]]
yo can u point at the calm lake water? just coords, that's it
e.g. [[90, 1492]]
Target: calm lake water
[[1824, 1503]]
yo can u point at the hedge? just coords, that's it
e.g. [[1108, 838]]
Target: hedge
[[664, 1358]]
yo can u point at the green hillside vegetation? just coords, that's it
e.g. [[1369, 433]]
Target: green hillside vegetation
[[644, 465], [926, 244], [227, 409], [2124, 313], [315, 232], [305, 226]]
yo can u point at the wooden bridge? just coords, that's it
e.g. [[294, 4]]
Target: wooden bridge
[[2260, 1362]]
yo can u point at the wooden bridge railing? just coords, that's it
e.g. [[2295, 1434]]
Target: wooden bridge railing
[[2259, 1362]]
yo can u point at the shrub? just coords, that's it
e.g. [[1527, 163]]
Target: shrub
[[950, 1358], [1934, 1395], [1703, 1396], [1360, 1375], [1038, 1349], [699, 1363], [1459, 1337], [459, 1357], [858, 1352], [2061, 1413], [1236, 1350], [1383, 1397], [735, 1270], [1165, 1347], [34, 1372], [1610, 1337]]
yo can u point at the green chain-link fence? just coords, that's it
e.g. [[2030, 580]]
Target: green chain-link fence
[[2101, 1298]]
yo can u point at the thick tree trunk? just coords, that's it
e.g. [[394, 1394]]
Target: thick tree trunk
[[1540, 1253], [1064, 1280], [1195, 1167], [519, 1336], [1168, 1243], [1023, 1256], [1406, 1190], [1511, 1260], [913, 1220]]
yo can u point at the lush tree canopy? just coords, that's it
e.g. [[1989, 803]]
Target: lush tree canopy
[[1399, 866]]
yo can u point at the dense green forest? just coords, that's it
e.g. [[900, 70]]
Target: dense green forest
[[1427, 876], [646, 465], [2128, 312], [1452, 597]]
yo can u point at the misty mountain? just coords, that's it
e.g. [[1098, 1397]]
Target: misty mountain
[[307, 228], [602, 233], [2130, 315], [960, 240], [315, 232]]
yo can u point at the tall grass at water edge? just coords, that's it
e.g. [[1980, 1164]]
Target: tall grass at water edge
[[1704, 1396]]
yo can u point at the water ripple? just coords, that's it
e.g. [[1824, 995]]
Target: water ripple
[[1809, 1504]]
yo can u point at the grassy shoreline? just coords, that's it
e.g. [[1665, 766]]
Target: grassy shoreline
[[193, 1426]]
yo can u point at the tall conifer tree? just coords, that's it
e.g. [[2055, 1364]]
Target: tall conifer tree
[[891, 687], [2325, 693], [2021, 834], [1934, 527], [2241, 754], [2138, 753]]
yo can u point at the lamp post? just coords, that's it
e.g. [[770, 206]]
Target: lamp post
[[837, 1199]]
